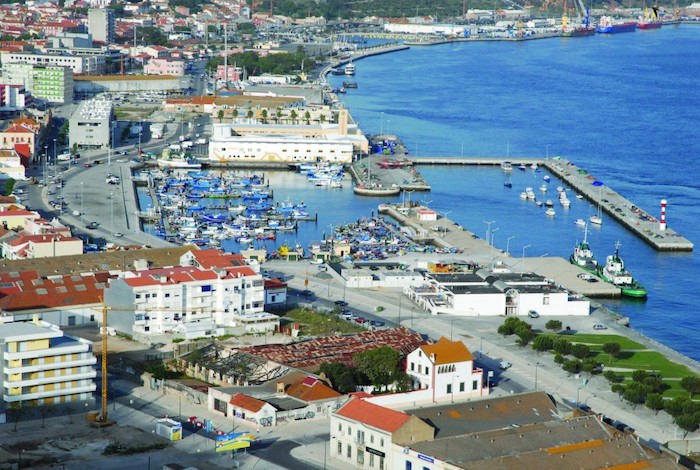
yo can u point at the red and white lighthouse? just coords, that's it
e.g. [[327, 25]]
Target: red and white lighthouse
[[662, 222]]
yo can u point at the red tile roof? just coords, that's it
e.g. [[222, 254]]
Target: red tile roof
[[247, 403], [373, 415], [448, 352], [311, 389], [29, 291]]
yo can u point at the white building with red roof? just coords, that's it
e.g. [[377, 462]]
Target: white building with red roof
[[210, 291], [363, 434], [42, 246]]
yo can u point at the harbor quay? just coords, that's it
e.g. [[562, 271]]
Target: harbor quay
[[638, 221], [433, 229]]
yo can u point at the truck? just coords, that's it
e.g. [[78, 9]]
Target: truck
[[157, 131], [63, 157], [200, 141], [186, 144]]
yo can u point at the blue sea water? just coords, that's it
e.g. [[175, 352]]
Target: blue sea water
[[626, 107]]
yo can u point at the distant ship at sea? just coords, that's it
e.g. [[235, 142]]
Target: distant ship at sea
[[608, 25], [582, 29]]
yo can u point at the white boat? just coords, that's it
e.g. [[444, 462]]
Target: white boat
[[546, 178], [506, 166], [596, 220], [350, 69], [523, 195], [550, 212], [179, 162], [565, 202], [560, 189], [539, 203], [549, 203], [580, 223], [240, 208], [543, 188], [533, 166], [579, 196], [530, 193]]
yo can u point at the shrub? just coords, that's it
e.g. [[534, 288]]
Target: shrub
[[553, 325], [542, 343], [580, 351], [562, 346], [572, 366]]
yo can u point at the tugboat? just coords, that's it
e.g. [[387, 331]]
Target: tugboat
[[583, 256], [614, 273]]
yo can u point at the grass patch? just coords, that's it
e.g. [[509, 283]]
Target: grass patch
[[594, 340], [313, 323]]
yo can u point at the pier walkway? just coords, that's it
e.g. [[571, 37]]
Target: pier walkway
[[635, 219]]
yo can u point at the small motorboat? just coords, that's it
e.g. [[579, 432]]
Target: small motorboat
[[550, 212], [543, 188], [546, 178], [580, 223], [549, 203]]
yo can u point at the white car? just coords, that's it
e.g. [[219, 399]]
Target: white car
[[316, 261], [599, 326], [503, 365]]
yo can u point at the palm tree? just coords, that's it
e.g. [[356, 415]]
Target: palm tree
[[263, 114], [307, 116], [293, 115], [235, 113], [278, 113], [250, 114]]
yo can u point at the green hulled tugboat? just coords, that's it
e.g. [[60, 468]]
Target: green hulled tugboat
[[614, 272]]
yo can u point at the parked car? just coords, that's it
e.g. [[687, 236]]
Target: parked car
[[599, 326], [503, 365], [316, 261], [341, 303], [533, 314]]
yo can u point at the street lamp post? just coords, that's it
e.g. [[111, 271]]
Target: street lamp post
[[488, 229], [537, 364], [82, 218], [526, 246], [111, 210], [493, 232], [54, 148], [508, 244]]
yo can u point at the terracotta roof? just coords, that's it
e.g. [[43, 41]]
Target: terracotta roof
[[29, 291], [448, 352], [274, 284], [247, 403], [18, 129], [373, 415], [218, 259], [311, 389]]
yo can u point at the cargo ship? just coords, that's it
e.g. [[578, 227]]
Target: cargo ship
[[608, 25], [583, 29], [650, 21]]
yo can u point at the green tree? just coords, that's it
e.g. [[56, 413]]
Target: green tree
[[542, 343], [639, 375], [278, 114], [613, 350], [636, 393], [675, 406], [572, 366], [17, 412], [293, 116], [619, 389], [655, 401], [580, 351], [263, 114], [553, 325], [307, 117], [610, 376], [220, 115], [250, 114], [322, 118], [687, 423], [559, 359], [562, 346], [524, 333], [342, 377], [402, 381], [691, 384], [379, 364], [245, 28]]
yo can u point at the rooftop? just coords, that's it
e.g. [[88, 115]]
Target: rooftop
[[373, 415]]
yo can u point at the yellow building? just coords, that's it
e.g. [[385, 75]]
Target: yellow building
[[41, 365]]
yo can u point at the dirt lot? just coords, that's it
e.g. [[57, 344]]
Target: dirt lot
[[61, 442]]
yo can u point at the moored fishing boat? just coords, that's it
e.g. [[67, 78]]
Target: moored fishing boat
[[608, 25], [506, 166], [614, 273]]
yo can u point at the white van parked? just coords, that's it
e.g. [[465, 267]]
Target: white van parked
[[63, 157]]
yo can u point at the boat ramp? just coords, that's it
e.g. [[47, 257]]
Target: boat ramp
[[638, 221]]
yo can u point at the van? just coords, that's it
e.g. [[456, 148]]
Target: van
[[63, 157]]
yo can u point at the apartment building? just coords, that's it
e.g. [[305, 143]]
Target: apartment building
[[101, 24], [90, 124], [83, 64], [53, 84], [208, 290], [166, 66], [41, 365]]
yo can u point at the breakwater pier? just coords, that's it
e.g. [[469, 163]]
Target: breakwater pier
[[635, 219]]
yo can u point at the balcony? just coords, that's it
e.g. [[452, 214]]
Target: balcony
[[87, 361], [89, 388], [52, 380]]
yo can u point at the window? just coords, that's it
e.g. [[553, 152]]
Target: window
[[381, 463], [371, 438], [340, 427], [412, 365], [449, 388], [475, 384], [206, 288], [426, 370], [381, 442], [371, 460], [360, 457], [340, 448], [349, 431], [409, 465], [349, 454], [461, 386]]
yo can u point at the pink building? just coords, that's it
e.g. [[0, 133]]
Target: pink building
[[165, 67], [232, 73]]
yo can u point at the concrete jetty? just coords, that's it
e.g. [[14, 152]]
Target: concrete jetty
[[635, 219], [445, 233], [639, 222]]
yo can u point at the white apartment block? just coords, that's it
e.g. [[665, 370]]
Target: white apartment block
[[41, 365], [85, 64], [101, 24], [91, 123], [209, 290]]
